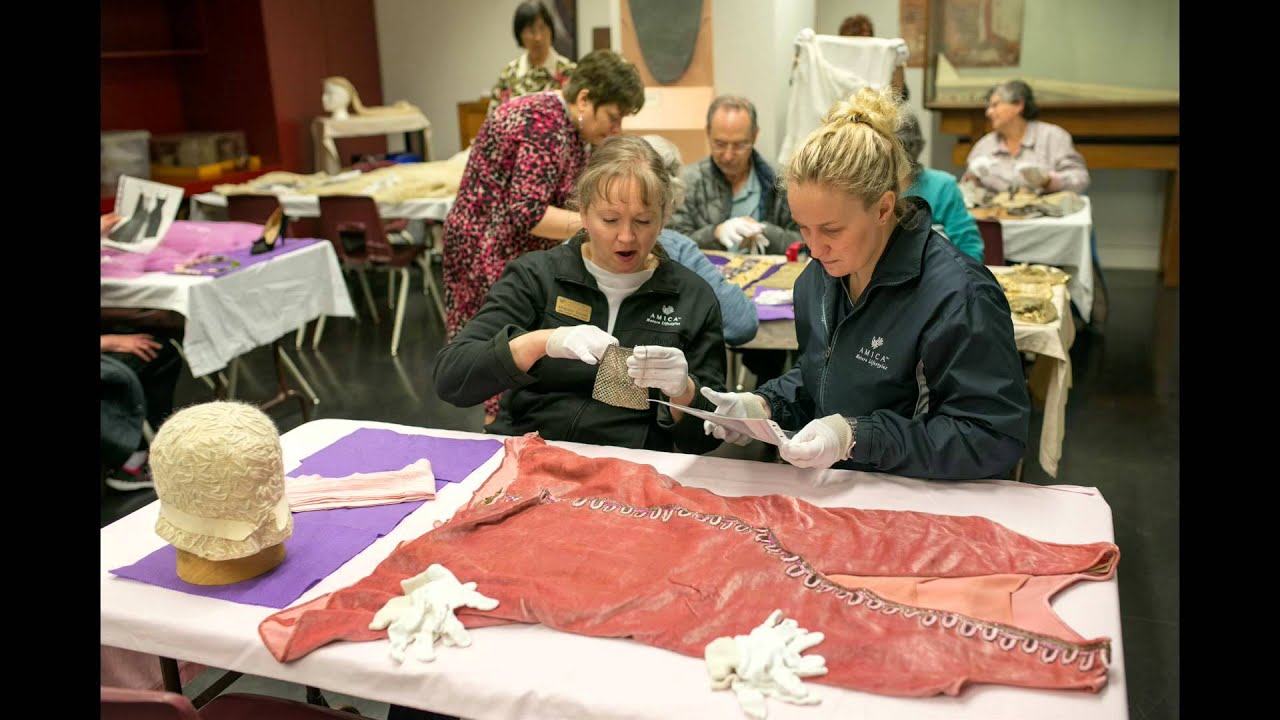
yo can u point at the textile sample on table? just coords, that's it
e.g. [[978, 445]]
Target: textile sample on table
[[743, 270], [613, 385], [1020, 205], [316, 492], [689, 566]]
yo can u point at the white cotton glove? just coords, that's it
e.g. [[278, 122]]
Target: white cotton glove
[[758, 244], [424, 613], [656, 366], [733, 231], [820, 444], [981, 166], [737, 405], [766, 663], [579, 342]]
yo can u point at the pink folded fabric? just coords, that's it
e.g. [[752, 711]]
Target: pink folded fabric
[[314, 492], [185, 241]]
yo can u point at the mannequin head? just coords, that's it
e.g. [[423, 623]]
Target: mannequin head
[[338, 96], [341, 100]]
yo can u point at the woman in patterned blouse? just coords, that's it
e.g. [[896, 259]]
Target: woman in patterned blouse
[[520, 175], [540, 67]]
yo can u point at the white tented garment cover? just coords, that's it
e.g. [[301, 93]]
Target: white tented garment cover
[[830, 68]]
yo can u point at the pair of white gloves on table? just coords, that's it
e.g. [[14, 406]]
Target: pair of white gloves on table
[[766, 663], [820, 444], [733, 232], [424, 614], [650, 366]]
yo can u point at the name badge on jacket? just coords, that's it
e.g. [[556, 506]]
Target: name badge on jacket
[[574, 309]]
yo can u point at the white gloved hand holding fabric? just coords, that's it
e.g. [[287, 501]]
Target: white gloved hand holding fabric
[[758, 243], [424, 613], [731, 404], [981, 166], [766, 663], [579, 342], [657, 366], [1035, 176], [820, 444], [733, 231]]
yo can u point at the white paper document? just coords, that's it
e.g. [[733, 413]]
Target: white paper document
[[759, 428]]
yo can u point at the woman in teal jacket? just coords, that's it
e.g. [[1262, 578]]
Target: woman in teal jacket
[[941, 191]]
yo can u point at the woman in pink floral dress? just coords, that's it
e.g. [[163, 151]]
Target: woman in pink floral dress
[[521, 172]]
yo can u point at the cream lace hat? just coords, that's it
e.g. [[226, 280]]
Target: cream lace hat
[[219, 473]]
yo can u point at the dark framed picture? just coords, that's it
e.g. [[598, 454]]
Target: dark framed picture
[[564, 13]]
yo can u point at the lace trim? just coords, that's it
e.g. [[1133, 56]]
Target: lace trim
[[1007, 638]]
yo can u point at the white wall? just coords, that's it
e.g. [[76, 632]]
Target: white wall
[[594, 14], [1126, 44], [752, 57], [436, 53], [790, 17]]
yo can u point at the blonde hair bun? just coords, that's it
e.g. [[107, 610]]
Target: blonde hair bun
[[856, 149], [877, 108]]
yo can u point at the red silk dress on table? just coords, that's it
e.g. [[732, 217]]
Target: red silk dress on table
[[912, 604]]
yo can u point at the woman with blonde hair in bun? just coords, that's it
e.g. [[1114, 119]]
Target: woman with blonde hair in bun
[[907, 363]]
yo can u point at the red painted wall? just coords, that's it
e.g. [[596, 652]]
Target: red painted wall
[[260, 71], [141, 94], [230, 87], [308, 41]]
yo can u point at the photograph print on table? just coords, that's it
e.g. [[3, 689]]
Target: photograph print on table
[[146, 209]]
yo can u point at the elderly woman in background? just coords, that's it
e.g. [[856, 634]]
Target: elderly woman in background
[[736, 309], [548, 323], [521, 173], [540, 67], [1021, 151], [940, 190]]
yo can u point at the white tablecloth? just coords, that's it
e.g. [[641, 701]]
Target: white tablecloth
[[305, 206], [1051, 340], [1063, 242], [529, 671], [231, 315]]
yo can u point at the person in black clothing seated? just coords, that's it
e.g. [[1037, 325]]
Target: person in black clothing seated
[[549, 320]]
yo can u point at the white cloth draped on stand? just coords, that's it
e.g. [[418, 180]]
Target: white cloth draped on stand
[[828, 69]]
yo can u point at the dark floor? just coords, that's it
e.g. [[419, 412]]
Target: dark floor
[[1121, 437]]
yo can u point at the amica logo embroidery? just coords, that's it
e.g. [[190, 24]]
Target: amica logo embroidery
[[666, 319], [873, 358]]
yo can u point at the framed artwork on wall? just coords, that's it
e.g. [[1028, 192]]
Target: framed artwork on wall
[[981, 33], [913, 20]]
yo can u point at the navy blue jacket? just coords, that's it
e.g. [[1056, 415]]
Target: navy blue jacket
[[925, 361]]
